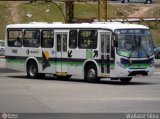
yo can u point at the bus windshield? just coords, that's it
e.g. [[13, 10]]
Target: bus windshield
[[134, 43]]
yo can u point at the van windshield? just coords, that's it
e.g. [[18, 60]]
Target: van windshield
[[134, 43]]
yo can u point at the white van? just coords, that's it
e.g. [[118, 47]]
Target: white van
[[2, 47], [137, 1]]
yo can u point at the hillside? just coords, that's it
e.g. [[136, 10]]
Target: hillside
[[5, 17], [24, 12]]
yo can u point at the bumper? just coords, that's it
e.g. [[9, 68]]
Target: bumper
[[134, 72]]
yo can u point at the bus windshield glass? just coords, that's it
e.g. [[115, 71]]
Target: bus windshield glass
[[134, 43]]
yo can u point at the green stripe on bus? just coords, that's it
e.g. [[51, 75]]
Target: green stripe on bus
[[16, 60], [138, 65]]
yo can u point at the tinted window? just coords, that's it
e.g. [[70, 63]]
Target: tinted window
[[73, 39], [87, 39], [31, 38], [47, 39], [15, 38], [58, 42], [65, 42]]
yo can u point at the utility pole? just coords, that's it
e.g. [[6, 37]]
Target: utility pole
[[69, 11], [104, 5], [99, 10], [106, 10]]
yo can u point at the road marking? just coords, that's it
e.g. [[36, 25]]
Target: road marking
[[114, 99], [139, 99]]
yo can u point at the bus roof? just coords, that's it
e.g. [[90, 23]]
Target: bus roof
[[98, 25]]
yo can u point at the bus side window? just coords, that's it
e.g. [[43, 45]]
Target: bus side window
[[31, 38], [58, 42], [113, 47], [73, 39], [64, 42], [47, 38], [87, 39], [15, 38]]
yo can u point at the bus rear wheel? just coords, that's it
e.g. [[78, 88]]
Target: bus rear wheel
[[91, 74], [32, 70], [125, 80]]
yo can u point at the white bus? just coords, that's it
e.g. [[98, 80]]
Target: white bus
[[96, 50]]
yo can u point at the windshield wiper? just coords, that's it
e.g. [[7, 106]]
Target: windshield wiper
[[134, 47], [131, 53], [141, 46], [138, 46], [145, 51]]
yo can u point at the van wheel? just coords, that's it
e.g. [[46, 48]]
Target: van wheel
[[32, 70], [91, 74], [125, 80]]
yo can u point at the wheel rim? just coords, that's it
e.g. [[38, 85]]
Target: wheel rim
[[33, 70], [91, 74]]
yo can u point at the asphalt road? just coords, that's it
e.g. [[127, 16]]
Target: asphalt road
[[21, 95]]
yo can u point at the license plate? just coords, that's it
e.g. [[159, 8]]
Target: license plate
[[138, 75]]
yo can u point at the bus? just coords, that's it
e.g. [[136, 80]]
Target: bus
[[119, 51]]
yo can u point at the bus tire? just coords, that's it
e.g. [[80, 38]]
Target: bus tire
[[125, 80], [32, 70], [91, 74]]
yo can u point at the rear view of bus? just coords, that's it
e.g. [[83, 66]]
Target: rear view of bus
[[134, 53]]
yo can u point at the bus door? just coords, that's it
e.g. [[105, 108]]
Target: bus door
[[105, 52], [61, 53]]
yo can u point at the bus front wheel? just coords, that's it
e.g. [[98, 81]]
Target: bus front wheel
[[125, 80], [91, 74], [32, 70]]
